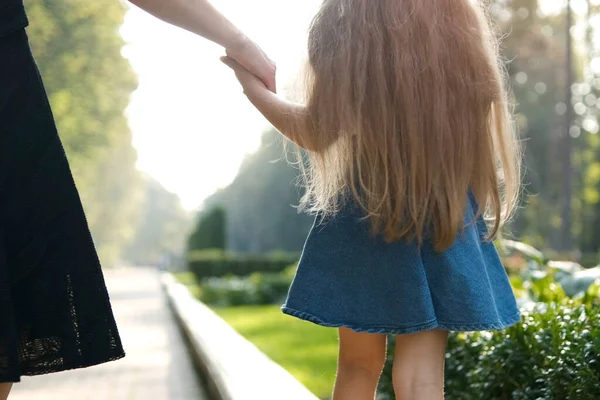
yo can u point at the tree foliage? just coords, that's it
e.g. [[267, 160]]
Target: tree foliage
[[162, 227], [260, 202], [210, 233]]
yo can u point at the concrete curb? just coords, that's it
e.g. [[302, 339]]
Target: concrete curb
[[235, 368]]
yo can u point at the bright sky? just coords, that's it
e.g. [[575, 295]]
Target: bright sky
[[191, 124]]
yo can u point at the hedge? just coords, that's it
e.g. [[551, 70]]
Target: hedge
[[256, 289], [214, 263], [554, 353]]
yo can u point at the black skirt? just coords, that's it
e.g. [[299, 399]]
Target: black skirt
[[55, 313]]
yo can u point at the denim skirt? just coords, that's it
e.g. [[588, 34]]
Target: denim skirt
[[348, 277]]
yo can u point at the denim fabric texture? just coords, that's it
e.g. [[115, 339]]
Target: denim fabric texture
[[348, 277]]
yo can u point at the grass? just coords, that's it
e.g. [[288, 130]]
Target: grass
[[307, 351]]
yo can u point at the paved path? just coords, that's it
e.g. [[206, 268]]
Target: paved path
[[157, 366]]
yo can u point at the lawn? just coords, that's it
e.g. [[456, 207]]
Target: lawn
[[307, 351]]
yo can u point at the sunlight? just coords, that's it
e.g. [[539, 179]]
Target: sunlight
[[191, 124]]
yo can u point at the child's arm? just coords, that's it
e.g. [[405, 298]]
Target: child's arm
[[291, 119]]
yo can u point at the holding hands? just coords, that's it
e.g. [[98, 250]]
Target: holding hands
[[252, 84], [251, 57], [291, 119], [254, 70]]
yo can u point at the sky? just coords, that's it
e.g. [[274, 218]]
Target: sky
[[191, 124]]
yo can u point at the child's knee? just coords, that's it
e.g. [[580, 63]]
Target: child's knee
[[371, 364], [362, 352], [417, 388], [418, 370]]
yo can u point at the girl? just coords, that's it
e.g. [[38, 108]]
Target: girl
[[410, 145], [54, 309]]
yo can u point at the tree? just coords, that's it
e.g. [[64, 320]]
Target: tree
[[535, 46], [260, 202], [78, 49], [163, 226], [115, 202], [210, 232], [587, 101]]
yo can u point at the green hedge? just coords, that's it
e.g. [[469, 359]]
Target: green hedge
[[554, 353], [215, 263], [256, 289]]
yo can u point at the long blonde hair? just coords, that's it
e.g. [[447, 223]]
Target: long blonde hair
[[410, 112]]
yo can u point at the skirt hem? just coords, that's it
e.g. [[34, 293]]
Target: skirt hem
[[416, 328], [70, 367]]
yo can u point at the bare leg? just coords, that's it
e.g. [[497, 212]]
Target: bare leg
[[5, 390], [360, 362], [418, 372]]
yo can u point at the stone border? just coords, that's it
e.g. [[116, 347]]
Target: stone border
[[235, 368]]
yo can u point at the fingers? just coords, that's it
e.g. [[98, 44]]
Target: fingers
[[270, 83], [268, 78], [240, 71], [250, 82], [231, 63]]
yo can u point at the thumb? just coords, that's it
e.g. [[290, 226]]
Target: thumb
[[270, 83], [230, 62]]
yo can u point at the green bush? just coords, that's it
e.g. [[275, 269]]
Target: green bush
[[554, 353], [543, 279], [256, 289], [214, 263]]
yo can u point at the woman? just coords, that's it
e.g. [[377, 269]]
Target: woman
[[55, 313]]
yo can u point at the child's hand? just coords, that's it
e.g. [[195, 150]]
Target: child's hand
[[251, 84], [251, 57], [291, 119]]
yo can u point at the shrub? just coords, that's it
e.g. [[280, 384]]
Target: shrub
[[554, 353], [214, 263], [543, 279], [256, 289]]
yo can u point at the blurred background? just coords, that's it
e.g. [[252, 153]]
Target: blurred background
[[176, 170]]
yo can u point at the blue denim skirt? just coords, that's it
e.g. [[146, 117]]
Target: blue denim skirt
[[348, 277]]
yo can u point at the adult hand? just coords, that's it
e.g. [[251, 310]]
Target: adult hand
[[253, 85], [250, 56]]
